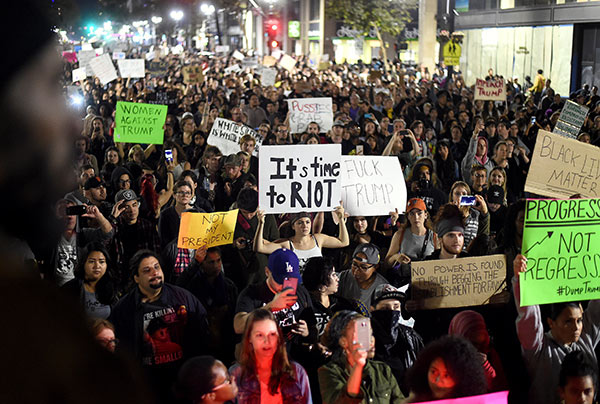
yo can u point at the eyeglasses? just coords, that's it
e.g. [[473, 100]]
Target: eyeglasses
[[364, 268], [183, 193], [227, 382]]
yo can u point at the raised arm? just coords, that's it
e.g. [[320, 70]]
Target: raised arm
[[260, 244], [343, 239], [530, 329]]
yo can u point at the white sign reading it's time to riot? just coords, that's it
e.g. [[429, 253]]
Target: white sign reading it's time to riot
[[299, 178]]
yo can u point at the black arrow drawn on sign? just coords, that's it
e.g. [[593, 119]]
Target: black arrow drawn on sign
[[549, 235]]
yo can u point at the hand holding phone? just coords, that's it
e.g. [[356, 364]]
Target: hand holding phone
[[169, 155], [362, 333], [467, 200], [290, 283], [77, 210]]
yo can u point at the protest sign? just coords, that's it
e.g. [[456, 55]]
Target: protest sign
[[375, 75], [221, 48], [139, 123], [560, 241], [269, 61], [131, 68], [192, 74], [500, 397], [457, 282], [571, 119], [84, 57], [493, 90], [299, 178], [70, 57], [118, 56], [226, 135], [163, 98], [238, 55], [267, 77], [250, 62], [287, 62], [103, 68], [370, 185], [206, 229], [157, 69], [562, 167], [150, 55], [233, 69], [79, 74], [323, 66], [306, 110]]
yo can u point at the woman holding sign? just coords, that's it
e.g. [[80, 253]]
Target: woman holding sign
[[305, 244]]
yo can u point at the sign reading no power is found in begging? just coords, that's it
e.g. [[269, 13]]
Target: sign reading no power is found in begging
[[560, 241], [301, 178]]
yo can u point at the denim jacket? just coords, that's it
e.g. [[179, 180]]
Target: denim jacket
[[292, 393]]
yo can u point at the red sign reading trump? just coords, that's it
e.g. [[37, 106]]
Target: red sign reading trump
[[494, 90]]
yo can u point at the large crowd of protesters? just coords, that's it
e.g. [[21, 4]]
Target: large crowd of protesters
[[276, 316]]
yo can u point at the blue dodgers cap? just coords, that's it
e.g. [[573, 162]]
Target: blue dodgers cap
[[283, 263]]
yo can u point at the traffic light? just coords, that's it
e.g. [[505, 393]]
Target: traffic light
[[273, 27]]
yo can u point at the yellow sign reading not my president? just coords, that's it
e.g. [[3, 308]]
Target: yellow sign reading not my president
[[206, 229]]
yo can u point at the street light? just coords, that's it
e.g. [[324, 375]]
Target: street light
[[156, 20], [176, 15], [207, 9]]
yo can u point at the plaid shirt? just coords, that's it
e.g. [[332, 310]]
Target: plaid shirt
[[184, 257]]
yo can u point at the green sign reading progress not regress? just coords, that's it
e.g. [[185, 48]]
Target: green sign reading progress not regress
[[139, 123], [561, 240]]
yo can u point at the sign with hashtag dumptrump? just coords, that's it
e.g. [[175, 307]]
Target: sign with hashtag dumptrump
[[560, 241]]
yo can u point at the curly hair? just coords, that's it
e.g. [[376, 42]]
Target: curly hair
[[281, 367], [463, 363], [336, 328]]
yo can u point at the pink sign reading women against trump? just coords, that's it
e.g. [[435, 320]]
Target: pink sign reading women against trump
[[306, 110]]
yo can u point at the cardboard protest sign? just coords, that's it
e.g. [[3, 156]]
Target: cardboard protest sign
[[84, 57], [267, 77], [131, 68], [306, 110], [500, 397], [457, 282], [79, 74], [238, 55], [562, 167], [70, 57], [192, 74], [494, 90], [323, 66], [560, 241], [226, 135], [206, 229], [571, 119], [375, 75], [299, 178], [269, 61], [139, 123], [370, 185], [158, 69], [287, 62], [163, 98], [118, 55], [104, 69]]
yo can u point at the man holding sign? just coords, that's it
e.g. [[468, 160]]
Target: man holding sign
[[543, 352], [559, 265]]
